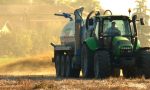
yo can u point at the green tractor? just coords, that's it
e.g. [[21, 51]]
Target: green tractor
[[103, 45]]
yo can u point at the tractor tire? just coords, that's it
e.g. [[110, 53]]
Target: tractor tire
[[75, 73], [63, 66], [68, 67], [58, 66], [144, 62], [115, 72], [70, 72], [102, 65], [130, 72], [86, 62]]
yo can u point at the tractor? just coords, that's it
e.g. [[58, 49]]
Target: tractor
[[99, 54]]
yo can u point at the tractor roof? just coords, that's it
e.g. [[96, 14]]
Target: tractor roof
[[115, 17]]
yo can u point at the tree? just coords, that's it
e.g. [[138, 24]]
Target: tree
[[88, 4], [141, 11]]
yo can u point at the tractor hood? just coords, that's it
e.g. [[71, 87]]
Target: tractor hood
[[121, 46]]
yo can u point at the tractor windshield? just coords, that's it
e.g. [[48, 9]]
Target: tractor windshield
[[116, 27]]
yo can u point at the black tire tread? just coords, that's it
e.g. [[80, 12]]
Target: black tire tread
[[144, 62], [89, 70], [63, 66], [102, 59], [58, 66]]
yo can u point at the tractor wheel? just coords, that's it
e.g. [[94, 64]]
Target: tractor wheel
[[130, 72], [68, 66], [75, 73], [102, 65], [115, 72], [144, 62], [58, 66], [63, 65], [86, 62]]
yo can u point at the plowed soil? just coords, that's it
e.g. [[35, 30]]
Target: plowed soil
[[39, 74]]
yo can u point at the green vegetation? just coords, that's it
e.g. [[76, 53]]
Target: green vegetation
[[89, 5]]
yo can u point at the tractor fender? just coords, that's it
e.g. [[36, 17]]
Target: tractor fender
[[91, 43]]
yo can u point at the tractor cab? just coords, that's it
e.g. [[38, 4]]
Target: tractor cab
[[110, 28], [116, 26]]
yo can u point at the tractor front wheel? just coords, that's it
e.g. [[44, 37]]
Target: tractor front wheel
[[130, 72], [115, 72], [102, 65], [86, 62]]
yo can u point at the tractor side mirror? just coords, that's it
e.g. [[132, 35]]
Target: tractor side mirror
[[134, 17], [142, 21]]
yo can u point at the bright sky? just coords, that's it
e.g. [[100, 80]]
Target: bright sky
[[120, 6]]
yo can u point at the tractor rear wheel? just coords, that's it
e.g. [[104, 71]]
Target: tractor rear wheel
[[102, 65], [144, 62], [86, 62], [63, 65], [58, 66]]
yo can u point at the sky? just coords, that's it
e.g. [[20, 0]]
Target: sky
[[117, 6], [120, 6]]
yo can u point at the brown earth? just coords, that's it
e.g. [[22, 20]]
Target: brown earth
[[39, 74], [52, 83]]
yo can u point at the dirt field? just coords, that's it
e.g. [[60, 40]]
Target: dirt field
[[38, 74], [52, 83]]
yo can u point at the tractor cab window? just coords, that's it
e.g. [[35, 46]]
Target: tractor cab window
[[116, 28]]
